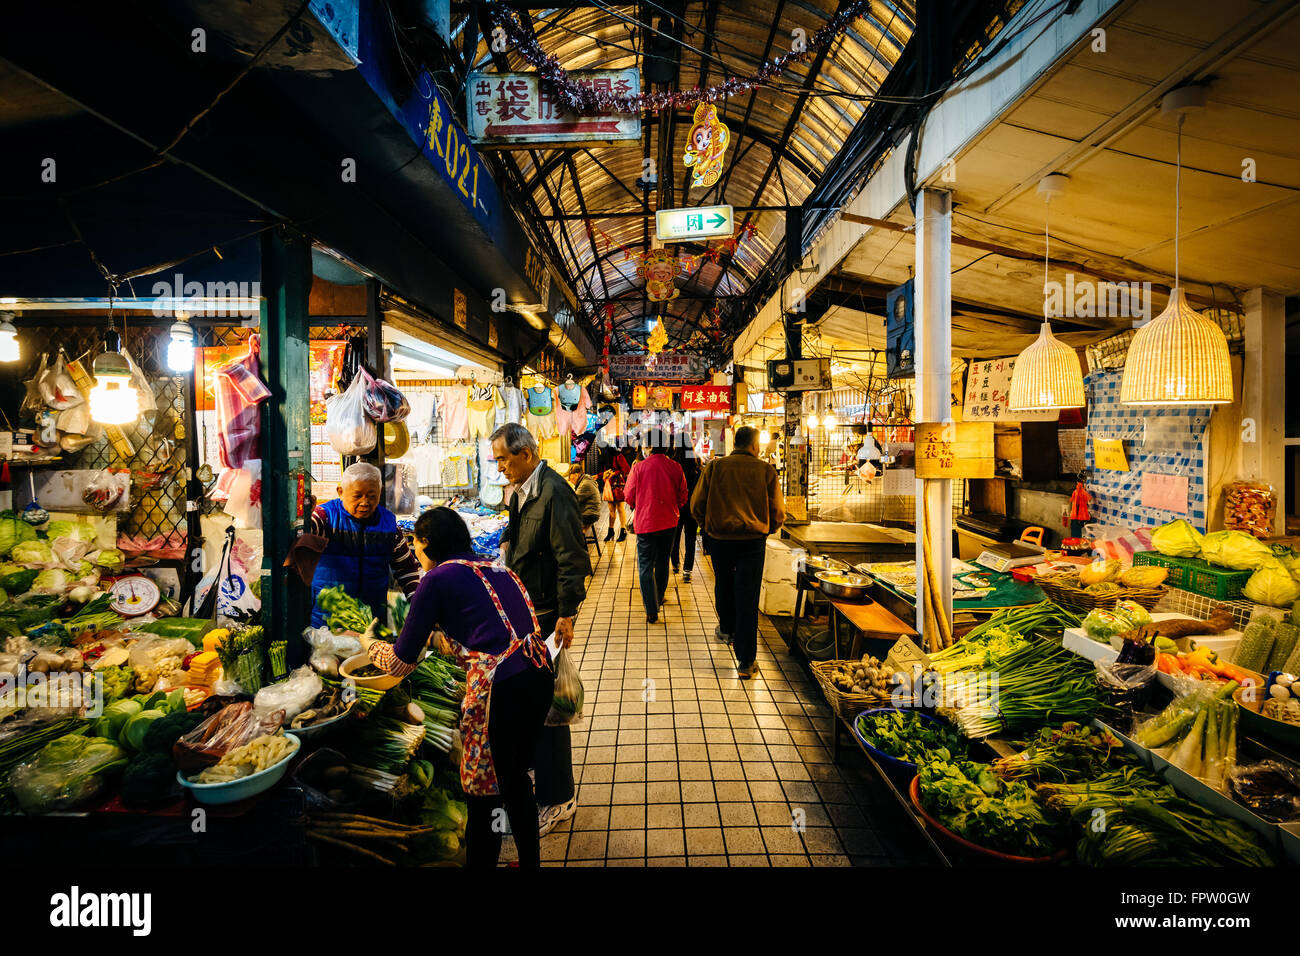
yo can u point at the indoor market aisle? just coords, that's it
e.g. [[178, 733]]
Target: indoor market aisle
[[681, 763]]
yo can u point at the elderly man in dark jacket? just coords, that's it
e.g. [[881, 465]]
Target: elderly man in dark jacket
[[545, 547]]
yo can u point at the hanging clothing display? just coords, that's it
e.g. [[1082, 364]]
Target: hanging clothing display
[[458, 466], [541, 412], [511, 408], [453, 413], [420, 423], [571, 416], [481, 410], [491, 481]]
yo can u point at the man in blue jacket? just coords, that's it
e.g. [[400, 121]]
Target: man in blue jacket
[[365, 545]]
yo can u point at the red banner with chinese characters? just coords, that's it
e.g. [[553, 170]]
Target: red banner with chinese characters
[[712, 398]]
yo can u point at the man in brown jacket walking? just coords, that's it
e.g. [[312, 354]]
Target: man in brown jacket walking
[[737, 504]]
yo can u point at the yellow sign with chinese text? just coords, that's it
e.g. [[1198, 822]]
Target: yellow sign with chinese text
[[1109, 454], [954, 450]]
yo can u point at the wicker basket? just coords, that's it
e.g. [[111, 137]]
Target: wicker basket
[[847, 706], [1077, 599]]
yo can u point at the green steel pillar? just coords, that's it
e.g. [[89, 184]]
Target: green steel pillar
[[286, 430]]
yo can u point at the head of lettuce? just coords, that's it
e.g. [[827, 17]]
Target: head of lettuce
[[1177, 539]]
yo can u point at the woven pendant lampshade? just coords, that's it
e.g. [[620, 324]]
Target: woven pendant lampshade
[[1046, 375], [1178, 358]]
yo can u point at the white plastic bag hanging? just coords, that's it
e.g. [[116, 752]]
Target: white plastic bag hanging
[[141, 385], [31, 406], [57, 388], [349, 431]]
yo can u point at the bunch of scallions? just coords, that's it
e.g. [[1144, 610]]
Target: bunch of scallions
[[1041, 683]]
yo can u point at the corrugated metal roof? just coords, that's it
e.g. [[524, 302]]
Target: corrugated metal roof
[[602, 37]]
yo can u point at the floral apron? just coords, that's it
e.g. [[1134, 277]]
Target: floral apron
[[477, 772]]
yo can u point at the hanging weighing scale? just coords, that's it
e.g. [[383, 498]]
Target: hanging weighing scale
[[1002, 557], [134, 595]]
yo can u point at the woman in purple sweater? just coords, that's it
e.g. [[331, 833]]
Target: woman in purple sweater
[[489, 622]]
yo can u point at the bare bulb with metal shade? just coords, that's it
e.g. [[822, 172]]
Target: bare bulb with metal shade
[[113, 400], [9, 350]]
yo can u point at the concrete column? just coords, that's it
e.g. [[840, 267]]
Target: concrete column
[[1263, 391], [933, 316]]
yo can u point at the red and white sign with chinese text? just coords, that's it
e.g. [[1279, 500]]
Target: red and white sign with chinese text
[[713, 398], [517, 109]]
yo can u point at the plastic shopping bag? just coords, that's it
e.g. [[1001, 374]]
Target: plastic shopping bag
[[239, 421], [566, 705], [349, 430], [383, 401]]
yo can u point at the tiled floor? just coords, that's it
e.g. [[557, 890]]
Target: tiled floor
[[681, 763]]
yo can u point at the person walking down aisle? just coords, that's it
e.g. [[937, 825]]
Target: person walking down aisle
[[363, 544], [543, 545], [737, 504], [492, 630], [690, 464], [656, 490], [615, 474]]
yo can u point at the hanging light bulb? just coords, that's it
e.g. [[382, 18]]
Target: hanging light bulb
[[829, 421], [764, 437], [113, 401], [9, 351], [813, 422], [180, 351], [1046, 374], [1180, 357]]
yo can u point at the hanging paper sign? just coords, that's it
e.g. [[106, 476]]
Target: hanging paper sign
[[324, 364], [713, 398], [988, 395], [665, 367], [659, 267], [460, 309], [706, 145], [661, 398], [1165, 492], [954, 450], [1109, 454], [519, 110], [692, 223], [639, 397]]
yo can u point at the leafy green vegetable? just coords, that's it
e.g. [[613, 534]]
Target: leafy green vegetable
[[81, 530], [1235, 549], [1072, 751], [132, 735], [343, 612], [65, 773], [906, 735], [52, 581], [162, 734], [110, 559], [16, 579], [116, 682], [1177, 539], [1273, 585], [114, 717], [13, 530], [972, 801], [33, 553]]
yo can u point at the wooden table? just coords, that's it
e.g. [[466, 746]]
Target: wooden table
[[870, 618], [853, 542]]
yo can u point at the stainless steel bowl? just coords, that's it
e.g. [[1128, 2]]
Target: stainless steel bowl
[[820, 562], [849, 587]]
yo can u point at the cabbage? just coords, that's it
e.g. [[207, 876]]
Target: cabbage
[[68, 551], [1103, 625], [53, 581], [34, 554], [1237, 550], [1133, 612], [13, 530], [1273, 585], [114, 716], [80, 530], [110, 559], [1177, 539]]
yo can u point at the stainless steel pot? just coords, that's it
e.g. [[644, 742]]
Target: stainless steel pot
[[840, 586]]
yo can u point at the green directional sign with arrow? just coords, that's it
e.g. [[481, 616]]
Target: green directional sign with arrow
[[695, 222]]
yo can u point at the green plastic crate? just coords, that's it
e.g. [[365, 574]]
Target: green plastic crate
[[1197, 575]]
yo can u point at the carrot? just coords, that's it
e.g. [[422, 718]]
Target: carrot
[[1167, 664]]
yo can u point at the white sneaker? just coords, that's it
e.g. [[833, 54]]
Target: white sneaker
[[548, 817]]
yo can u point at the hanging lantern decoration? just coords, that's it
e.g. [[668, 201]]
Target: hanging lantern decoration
[[706, 145], [659, 267], [113, 400], [658, 338], [1180, 357]]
